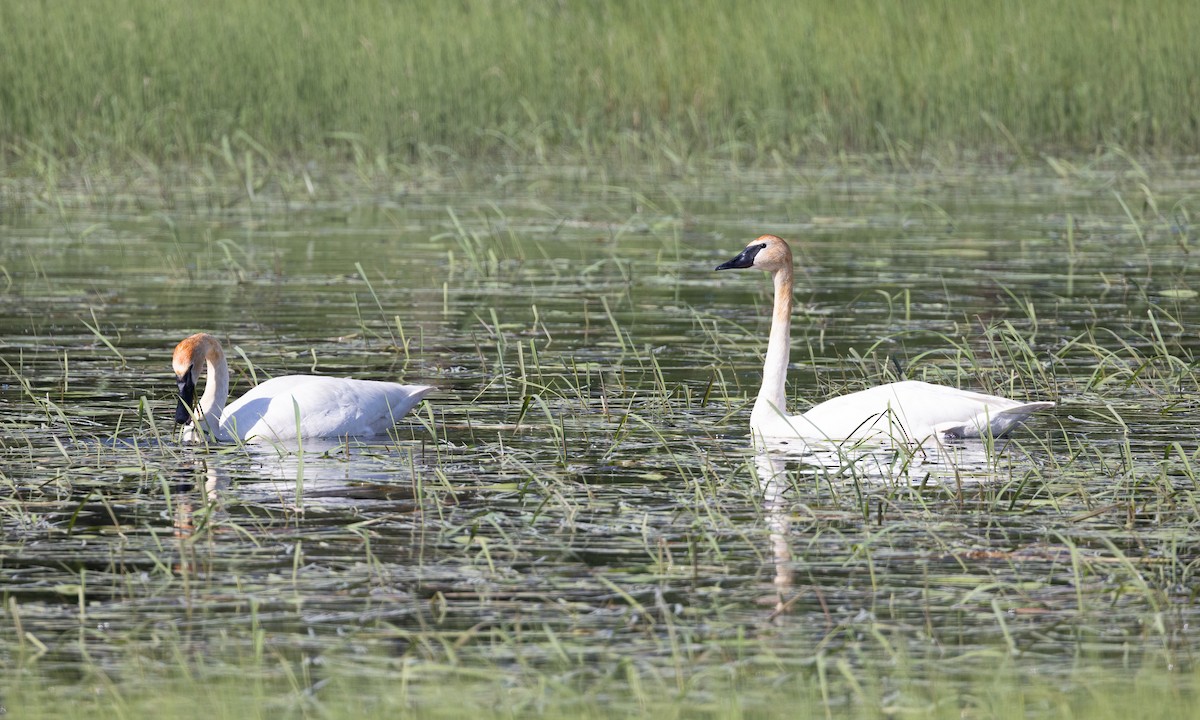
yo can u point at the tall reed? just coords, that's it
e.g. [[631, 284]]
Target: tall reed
[[412, 80]]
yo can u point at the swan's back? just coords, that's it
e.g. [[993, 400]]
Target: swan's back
[[329, 407], [909, 411]]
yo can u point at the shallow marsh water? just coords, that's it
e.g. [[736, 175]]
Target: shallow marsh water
[[578, 511]]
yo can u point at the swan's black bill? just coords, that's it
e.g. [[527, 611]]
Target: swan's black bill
[[187, 394], [744, 259]]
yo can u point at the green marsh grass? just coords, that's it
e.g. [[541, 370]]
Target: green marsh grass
[[754, 689], [377, 83]]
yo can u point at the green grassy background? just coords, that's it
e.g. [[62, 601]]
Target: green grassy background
[[547, 77]]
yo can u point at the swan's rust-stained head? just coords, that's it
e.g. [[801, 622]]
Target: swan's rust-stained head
[[190, 355], [767, 252], [192, 352]]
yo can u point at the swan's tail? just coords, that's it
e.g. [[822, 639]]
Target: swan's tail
[[996, 423]]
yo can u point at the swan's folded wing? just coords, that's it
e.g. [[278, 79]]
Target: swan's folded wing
[[993, 423], [907, 411], [329, 407]]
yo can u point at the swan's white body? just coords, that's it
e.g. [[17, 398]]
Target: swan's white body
[[328, 406], [909, 411]]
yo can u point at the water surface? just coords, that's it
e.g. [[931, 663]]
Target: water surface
[[580, 499]]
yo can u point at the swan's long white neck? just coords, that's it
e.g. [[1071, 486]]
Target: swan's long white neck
[[772, 398], [216, 390]]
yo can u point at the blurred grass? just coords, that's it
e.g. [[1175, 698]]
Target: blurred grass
[[406, 689], [531, 80]]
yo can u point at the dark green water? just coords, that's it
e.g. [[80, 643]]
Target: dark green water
[[580, 494]]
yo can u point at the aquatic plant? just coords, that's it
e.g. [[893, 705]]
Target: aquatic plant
[[378, 83]]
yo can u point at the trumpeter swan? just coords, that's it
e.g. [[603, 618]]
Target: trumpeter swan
[[328, 406], [909, 411]]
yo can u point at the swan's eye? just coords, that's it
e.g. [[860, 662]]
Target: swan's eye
[[760, 247]]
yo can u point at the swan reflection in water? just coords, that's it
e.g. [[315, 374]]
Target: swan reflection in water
[[334, 475], [843, 466], [772, 478]]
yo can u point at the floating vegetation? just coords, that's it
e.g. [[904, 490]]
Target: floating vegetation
[[577, 521]]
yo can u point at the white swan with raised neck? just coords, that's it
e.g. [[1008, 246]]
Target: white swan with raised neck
[[909, 411], [329, 407]]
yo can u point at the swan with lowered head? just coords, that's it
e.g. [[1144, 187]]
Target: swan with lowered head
[[908, 411], [329, 407]]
